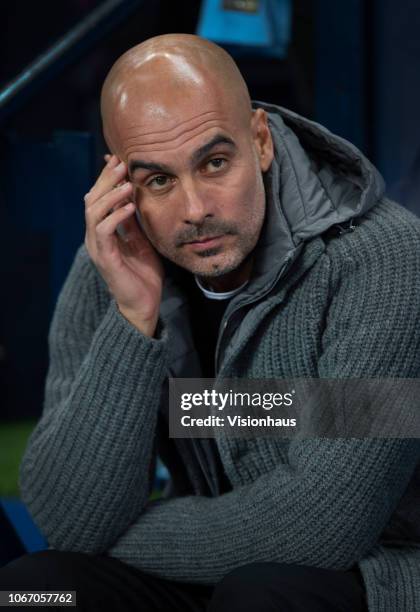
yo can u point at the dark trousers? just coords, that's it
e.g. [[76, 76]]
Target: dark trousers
[[102, 582]]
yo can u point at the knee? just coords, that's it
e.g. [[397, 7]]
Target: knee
[[270, 587], [248, 588], [41, 570]]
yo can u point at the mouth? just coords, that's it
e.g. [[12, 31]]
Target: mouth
[[207, 242]]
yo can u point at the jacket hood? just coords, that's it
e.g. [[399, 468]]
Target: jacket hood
[[316, 180]]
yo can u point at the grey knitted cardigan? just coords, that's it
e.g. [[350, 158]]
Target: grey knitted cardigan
[[315, 307]]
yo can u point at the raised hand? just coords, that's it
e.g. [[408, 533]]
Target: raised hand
[[126, 260]]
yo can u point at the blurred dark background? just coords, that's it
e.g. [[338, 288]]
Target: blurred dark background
[[352, 66]]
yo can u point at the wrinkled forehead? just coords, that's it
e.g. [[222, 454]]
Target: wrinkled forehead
[[158, 111]]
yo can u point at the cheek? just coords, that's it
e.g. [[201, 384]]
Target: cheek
[[253, 195], [147, 217], [157, 226], [240, 194]]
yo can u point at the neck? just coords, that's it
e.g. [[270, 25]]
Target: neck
[[231, 280]]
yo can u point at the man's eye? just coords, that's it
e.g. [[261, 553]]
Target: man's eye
[[217, 163], [158, 182]]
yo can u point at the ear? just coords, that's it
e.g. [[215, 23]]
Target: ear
[[262, 138]]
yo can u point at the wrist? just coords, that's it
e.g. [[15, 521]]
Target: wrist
[[146, 326]]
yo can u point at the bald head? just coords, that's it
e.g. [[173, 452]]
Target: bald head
[[177, 112], [165, 78]]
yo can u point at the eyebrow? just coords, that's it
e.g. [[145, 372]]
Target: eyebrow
[[197, 156]]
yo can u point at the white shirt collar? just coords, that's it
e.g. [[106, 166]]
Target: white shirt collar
[[219, 295]]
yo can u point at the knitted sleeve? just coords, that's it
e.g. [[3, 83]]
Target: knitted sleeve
[[85, 473], [327, 505]]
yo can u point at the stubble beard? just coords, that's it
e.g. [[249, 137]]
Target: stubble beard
[[230, 260]]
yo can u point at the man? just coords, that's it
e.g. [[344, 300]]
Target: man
[[318, 271]]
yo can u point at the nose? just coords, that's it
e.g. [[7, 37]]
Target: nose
[[197, 207]]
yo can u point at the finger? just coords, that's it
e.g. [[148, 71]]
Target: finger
[[113, 200], [106, 237], [104, 207], [110, 176], [131, 230], [111, 160]]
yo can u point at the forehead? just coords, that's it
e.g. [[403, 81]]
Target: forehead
[[163, 121], [185, 136]]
